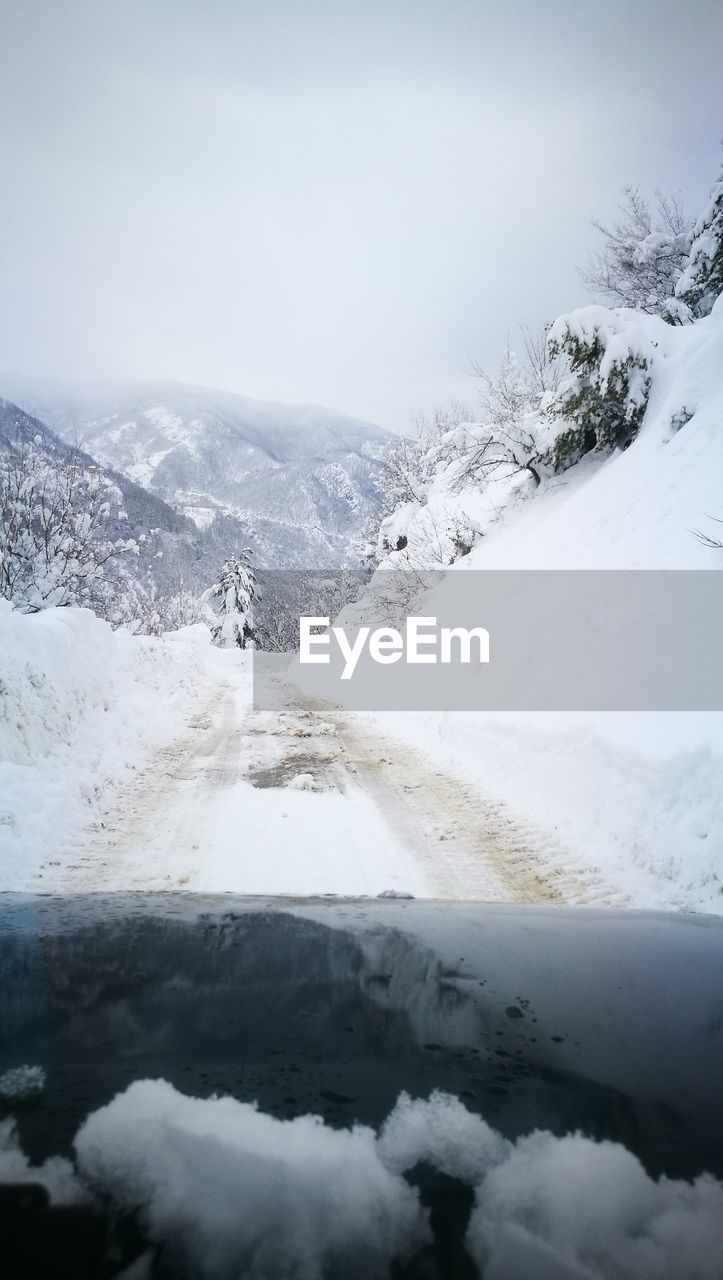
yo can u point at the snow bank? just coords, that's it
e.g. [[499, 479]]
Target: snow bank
[[228, 1190], [58, 666], [624, 809], [639, 509], [75, 722]]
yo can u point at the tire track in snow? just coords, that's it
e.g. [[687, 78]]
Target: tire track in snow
[[469, 848], [465, 845]]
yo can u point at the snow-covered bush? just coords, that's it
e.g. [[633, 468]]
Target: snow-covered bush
[[610, 354], [229, 602], [702, 281], [464, 467], [406, 478], [409, 464], [55, 546], [444, 488], [145, 610], [643, 257], [515, 431]]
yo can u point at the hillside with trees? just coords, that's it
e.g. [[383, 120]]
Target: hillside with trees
[[569, 402]]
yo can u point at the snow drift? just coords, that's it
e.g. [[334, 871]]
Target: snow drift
[[74, 723]]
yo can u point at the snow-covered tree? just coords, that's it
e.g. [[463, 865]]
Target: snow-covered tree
[[643, 256], [407, 471], [230, 601], [512, 432], [702, 280], [408, 464], [150, 612], [467, 463], [512, 436], [610, 354], [55, 511]]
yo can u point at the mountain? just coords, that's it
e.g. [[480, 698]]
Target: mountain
[[299, 478], [178, 552]]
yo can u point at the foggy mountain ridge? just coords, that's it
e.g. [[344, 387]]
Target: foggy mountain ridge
[[178, 553], [295, 482]]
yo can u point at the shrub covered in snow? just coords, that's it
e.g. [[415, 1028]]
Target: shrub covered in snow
[[610, 355], [513, 435], [443, 490]]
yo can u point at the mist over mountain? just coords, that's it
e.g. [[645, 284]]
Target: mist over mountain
[[172, 551], [297, 479]]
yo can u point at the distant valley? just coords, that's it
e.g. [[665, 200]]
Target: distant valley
[[293, 482]]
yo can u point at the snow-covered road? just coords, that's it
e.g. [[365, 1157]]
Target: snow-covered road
[[300, 800], [135, 763]]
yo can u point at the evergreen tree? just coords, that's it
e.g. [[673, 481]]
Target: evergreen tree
[[610, 355], [230, 601], [702, 281]]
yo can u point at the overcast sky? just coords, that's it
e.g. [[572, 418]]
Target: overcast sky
[[339, 201]]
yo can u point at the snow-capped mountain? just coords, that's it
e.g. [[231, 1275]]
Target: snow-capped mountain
[[299, 477], [175, 553]]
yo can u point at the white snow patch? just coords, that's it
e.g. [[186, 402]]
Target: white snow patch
[[237, 1192], [18, 1083], [573, 1209], [203, 517], [228, 1190], [144, 468], [303, 782], [172, 427], [56, 1174], [443, 1133], [82, 708]]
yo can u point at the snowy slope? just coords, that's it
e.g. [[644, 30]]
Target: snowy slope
[[299, 476], [636, 798], [82, 708], [639, 509]]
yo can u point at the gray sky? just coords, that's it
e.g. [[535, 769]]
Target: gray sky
[[327, 200]]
